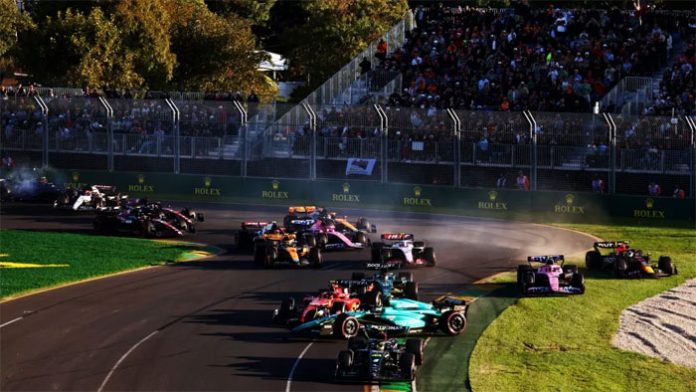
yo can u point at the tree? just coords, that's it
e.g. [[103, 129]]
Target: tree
[[215, 52], [256, 10], [336, 31], [12, 24]]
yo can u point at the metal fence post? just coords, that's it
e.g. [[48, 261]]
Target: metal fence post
[[383, 148], [109, 133], [313, 129], [612, 151], [177, 134], [243, 134], [44, 115], [692, 169], [456, 128], [533, 137]]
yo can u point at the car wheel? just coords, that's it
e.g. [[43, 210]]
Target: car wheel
[[411, 290], [346, 326], [357, 343], [429, 255], [453, 322], [593, 259], [259, 254], [578, 281], [345, 359], [377, 251], [360, 238], [415, 347], [407, 363], [620, 267], [270, 255], [419, 244], [310, 240], [315, 258], [374, 298], [322, 240], [338, 307], [287, 307], [665, 264]]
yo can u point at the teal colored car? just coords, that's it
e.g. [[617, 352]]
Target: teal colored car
[[401, 317]]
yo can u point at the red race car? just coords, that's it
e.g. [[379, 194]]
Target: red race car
[[335, 300]]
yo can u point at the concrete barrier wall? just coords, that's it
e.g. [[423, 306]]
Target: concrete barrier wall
[[538, 206]]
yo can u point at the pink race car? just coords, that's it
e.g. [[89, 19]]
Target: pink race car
[[550, 278], [326, 234]]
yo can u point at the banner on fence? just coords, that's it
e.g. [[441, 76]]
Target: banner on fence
[[361, 167]]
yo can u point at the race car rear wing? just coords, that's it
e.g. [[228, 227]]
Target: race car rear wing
[[302, 222], [249, 225], [301, 209], [544, 259], [396, 236], [610, 244]]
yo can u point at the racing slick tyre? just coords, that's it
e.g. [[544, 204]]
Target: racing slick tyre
[[665, 264], [377, 252], [593, 259], [357, 276], [287, 307], [452, 322], [620, 267], [345, 359], [408, 276], [411, 290], [521, 271], [310, 240], [578, 281], [346, 326], [315, 258], [429, 255], [243, 240], [374, 298], [385, 254], [360, 238], [322, 240], [269, 256], [357, 343], [419, 244], [338, 307], [407, 363], [570, 269], [415, 347]]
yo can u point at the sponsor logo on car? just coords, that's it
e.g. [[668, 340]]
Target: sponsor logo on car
[[275, 193], [141, 186], [569, 207], [346, 196], [75, 184], [207, 189], [649, 212], [492, 203], [417, 200]]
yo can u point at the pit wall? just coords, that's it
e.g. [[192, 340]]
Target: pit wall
[[540, 206]]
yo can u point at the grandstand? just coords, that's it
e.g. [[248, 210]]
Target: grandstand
[[462, 96]]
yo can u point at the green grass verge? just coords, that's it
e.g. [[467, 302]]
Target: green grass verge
[[36, 260], [564, 343]]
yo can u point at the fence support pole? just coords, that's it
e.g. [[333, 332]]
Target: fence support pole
[[313, 129], [533, 138], [383, 144], [44, 115], [177, 134], [109, 134], [243, 134], [456, 128], [612, 152], [692, 169]]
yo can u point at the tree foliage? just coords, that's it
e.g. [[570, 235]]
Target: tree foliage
[[12, 24], [335, 31]]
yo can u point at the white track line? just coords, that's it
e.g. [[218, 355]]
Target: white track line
[[11, 322], [113, 369], [294, 366]]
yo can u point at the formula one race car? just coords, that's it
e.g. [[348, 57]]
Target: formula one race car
[[250, 230], [29, 190], [401, 317], [374, 360], [625, 262], [275, 245], [328, 237], [90, 198], [403, 252], [333, 301], [391, 285], [549, 278], [150, 220]]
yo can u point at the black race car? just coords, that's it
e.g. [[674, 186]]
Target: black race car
[[626, 262], [38, 190], [150, 220], [374, 360], [249, 230]]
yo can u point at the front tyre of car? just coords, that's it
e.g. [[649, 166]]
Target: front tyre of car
[[407, 363], [664, 263], [452, 322], [346, 326], [593, 259]]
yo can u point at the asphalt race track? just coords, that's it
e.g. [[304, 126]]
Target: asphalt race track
[[205, 325]]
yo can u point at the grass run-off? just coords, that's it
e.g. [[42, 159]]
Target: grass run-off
[[564, 343], [31, 260]]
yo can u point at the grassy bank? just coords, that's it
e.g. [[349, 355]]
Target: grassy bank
[[564, 343], [32, 260]]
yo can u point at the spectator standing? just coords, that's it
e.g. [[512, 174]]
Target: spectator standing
[[678, 193], [654, 189], [597, 185], [365, 66], [502, 181], [522, 181], [381, 50]]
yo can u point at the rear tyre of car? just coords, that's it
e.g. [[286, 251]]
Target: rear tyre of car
[[322, 240], [430, 257], [270, 256], [620, 267], [578, 281], [287, 307], [310, 240], [411, 290], [374, 298], [386, 254], [357, 276], [315, 258], [346, 326], [415, 347], [360, 238], [453, 322], [345, 359], [419, 244], [593, 259], [664, 263], [407, 363], [357, 343], [570, 269], [377, 251], [408, 276], [338, 307]]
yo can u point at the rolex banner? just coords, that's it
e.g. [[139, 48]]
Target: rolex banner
[[362, 167]]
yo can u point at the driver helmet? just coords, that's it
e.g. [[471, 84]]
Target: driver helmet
[[549, 261], [630, 253]]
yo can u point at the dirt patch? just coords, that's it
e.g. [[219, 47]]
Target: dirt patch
[[663, 326]]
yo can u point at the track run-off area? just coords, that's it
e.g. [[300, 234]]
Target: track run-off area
[[206, 325]]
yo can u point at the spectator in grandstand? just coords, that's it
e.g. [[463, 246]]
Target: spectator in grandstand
[[8, 162], [678, 193], [502, 181], [597, 185], [522, 181], [654, 189], [381, 50], [365, 66]]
